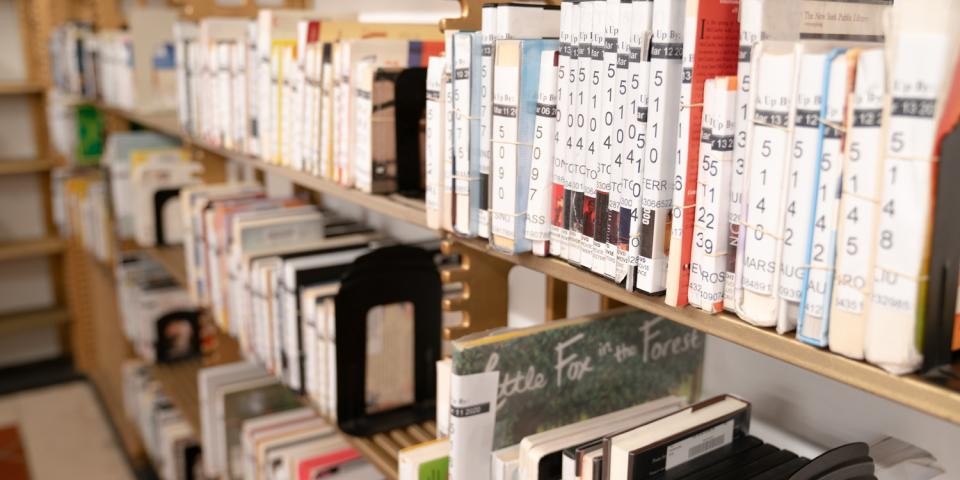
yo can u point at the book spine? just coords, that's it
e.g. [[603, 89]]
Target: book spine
[[434, 140], [639, 81], [362, 136], [769, 137], [541, 170], [613, 123], [626, 136], [488, 35], [448, 207], [254, 92], [472, 416], [576, 140], [465, 140], [903, 220], [559, 222], [750, 24], [857, 205], [506, 143], [814, 317], [328, 83], [666, 53], [592, 239], [803, 158]]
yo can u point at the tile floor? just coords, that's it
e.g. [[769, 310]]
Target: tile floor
[[64, 433]]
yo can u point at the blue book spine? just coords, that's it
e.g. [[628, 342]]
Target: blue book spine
[[813, 322]]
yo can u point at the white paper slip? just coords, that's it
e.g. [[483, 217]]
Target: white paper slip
[[541, 169], [803, 160], [708, 263], [433, 143], [771, 108], [488, 36], [577, 134], [473, 411], [818, 278], [924, 51], [466, 126], [639, 70], [858, 200], [666, 52]]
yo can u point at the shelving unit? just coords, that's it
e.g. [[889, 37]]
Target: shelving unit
[[20, 167], [12, 323], [39, 247], [911, 390], [18, 88]]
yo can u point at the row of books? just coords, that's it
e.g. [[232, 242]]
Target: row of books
[[339, 99], [167, 437], [133, 69], [651, 146], [254, 428], [158, 318]]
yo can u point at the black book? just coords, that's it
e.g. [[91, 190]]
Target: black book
[[759, 466], [783, 471], [743, 458], [739, 445]]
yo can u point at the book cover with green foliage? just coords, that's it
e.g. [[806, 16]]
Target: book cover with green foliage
[[571, 370]]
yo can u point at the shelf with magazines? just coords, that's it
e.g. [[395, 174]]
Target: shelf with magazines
[[911, 390]]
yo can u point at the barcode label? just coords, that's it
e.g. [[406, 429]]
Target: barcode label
[[699, 444]]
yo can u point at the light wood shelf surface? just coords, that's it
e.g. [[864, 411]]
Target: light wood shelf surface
[[172, 260], [18, 249], [18, 166], [13, 323], [20, 88]]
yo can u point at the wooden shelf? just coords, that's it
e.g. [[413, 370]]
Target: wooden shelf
[[163, 122], [20, 88], [910, 390], [179, 383], [13, 323], [20, 249], [18, 167], [172, 260]]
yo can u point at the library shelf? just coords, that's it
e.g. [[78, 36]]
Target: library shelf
[[20, 88], [23, 166], [179, 382], [13, 323], [29, 248], [171, 258], [911, 390]]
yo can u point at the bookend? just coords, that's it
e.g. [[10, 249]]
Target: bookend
[[178, 336], [944, 271], [387, 276], [485, 288]]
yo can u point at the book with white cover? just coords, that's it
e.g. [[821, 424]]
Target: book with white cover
[[578, 135], [434, 143], [814, 316], [639, 70], [184, 34], [426, 460], [858, 200], [208, 381], [152, 171], [505, 463], [594, 196], [539, 207], [515, 106], [559, 231], [623, 134], [676, 438], [709, 252], [443, 397], [923, 50], [774, 76], [666, 52], [803, 161], [466, 131], [545, 447]]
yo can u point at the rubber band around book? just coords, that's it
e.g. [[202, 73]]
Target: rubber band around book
[[684, 106], [787, 128], [511, 214], [464, 177], [834, 125], [931, 159], [461, 115], [504, 142], [916, 278], [861, 197], [754, 227]]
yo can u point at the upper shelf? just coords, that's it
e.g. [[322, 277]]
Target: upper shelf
[[912, 391], [19, 249], [20, 88], [19, 167]]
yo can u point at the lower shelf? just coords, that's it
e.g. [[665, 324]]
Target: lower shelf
[[179, 383], [13, 323]]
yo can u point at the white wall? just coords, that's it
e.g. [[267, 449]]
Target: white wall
[[390, 11]]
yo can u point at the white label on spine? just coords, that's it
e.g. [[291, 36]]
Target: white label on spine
[[766, 172], [541, 168], [799, 184], [473, 411], [505, 118], [827, 201], [859, 192], [461, 125]]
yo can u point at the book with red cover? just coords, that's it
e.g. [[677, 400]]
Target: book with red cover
[[713, 33]]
